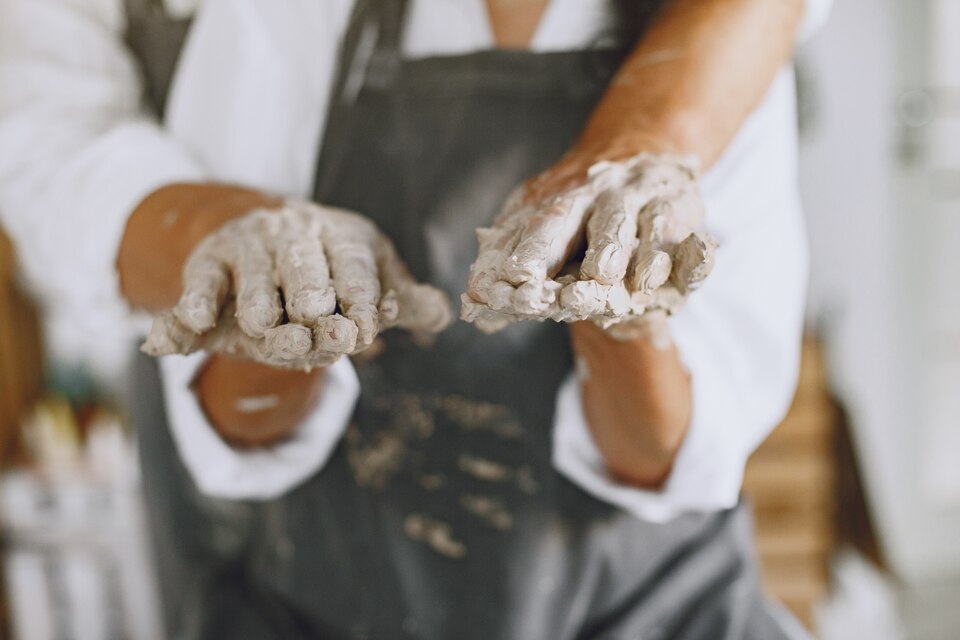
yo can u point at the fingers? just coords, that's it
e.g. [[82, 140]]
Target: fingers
[[650, 270], [206, 283], [335, 334], [304, 275], [168, 335], [287, 342], [419, 307], [550, 236], [693, 261], [258, 298], [353, 266], [389, 309], [611, 238], [496, 244]]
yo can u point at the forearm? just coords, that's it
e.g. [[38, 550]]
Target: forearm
[[693, 79], [637, 402], [686, 89], [163, 230], [252, 405]]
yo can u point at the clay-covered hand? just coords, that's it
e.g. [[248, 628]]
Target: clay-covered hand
[[621, 248], [295, 287]]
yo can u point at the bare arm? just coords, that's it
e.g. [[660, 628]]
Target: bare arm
[[685, 89]]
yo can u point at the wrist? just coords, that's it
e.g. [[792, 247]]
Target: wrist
[[253, 405], [674, 132], [165, 227], [637, 401]]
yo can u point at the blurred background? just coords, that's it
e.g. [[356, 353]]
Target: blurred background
[[856, 494]]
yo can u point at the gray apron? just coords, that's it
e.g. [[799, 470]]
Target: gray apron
[[440, 514]]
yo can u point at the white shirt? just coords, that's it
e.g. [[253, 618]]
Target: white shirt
[[78, 152]]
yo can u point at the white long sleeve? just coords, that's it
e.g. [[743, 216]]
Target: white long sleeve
[[738, 336], [77, 153]]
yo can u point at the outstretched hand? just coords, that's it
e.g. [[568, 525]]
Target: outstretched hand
[[297, 287], [621, 247]]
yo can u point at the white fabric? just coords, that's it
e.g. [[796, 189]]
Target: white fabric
[[262, 473], [77, 153], [248, 105], [738, 335]]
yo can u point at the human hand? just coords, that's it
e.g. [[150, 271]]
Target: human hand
[[634, 223], [295, 287]]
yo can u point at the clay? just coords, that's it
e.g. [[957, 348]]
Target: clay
[[432, 481], [437, 534], [483, 469], [644, 252], [488, 509], [295, 287], [376, 464]]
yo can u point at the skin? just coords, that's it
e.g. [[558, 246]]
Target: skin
[[224, 380], [154, 249], [685, 89]]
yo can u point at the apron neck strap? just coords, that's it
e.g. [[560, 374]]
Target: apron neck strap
[[375, 31]]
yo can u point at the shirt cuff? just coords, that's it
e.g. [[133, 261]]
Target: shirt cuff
[[706, 474], [264, 473]]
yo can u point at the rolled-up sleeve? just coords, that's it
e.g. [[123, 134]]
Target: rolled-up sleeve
[[739, 334], [78, 152]]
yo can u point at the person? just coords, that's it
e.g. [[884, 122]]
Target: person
[[456, 486]]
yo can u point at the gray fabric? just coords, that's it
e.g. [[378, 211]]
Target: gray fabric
[[429, 149], [156, 40]]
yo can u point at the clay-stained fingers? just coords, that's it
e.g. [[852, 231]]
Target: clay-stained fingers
[[289, 342], [335, 334], [419, 307], [304, 274], [649, 269], [389, 309], [353, 266], [667, 221], [254, 281], [550, 236], [168, 336], [206, 283], [496, 244], [693, 260], [611, 238]]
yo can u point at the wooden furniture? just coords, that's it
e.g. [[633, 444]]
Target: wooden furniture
[[791, 482], [21, 357]]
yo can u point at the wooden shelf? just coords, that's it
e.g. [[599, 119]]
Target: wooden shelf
[[791, 481]]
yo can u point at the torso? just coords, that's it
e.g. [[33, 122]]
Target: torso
[[441, 515]]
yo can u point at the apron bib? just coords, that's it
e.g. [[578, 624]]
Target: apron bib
[[440, 514]]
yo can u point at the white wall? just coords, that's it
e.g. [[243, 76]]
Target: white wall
[[865, 180]]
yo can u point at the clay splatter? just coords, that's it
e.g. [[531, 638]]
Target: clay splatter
[[483, 469], [432, 481], [435, 533], [490, 510], [376, 464]]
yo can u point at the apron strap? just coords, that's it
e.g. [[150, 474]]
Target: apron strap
[[370, 50], [374, 32]]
